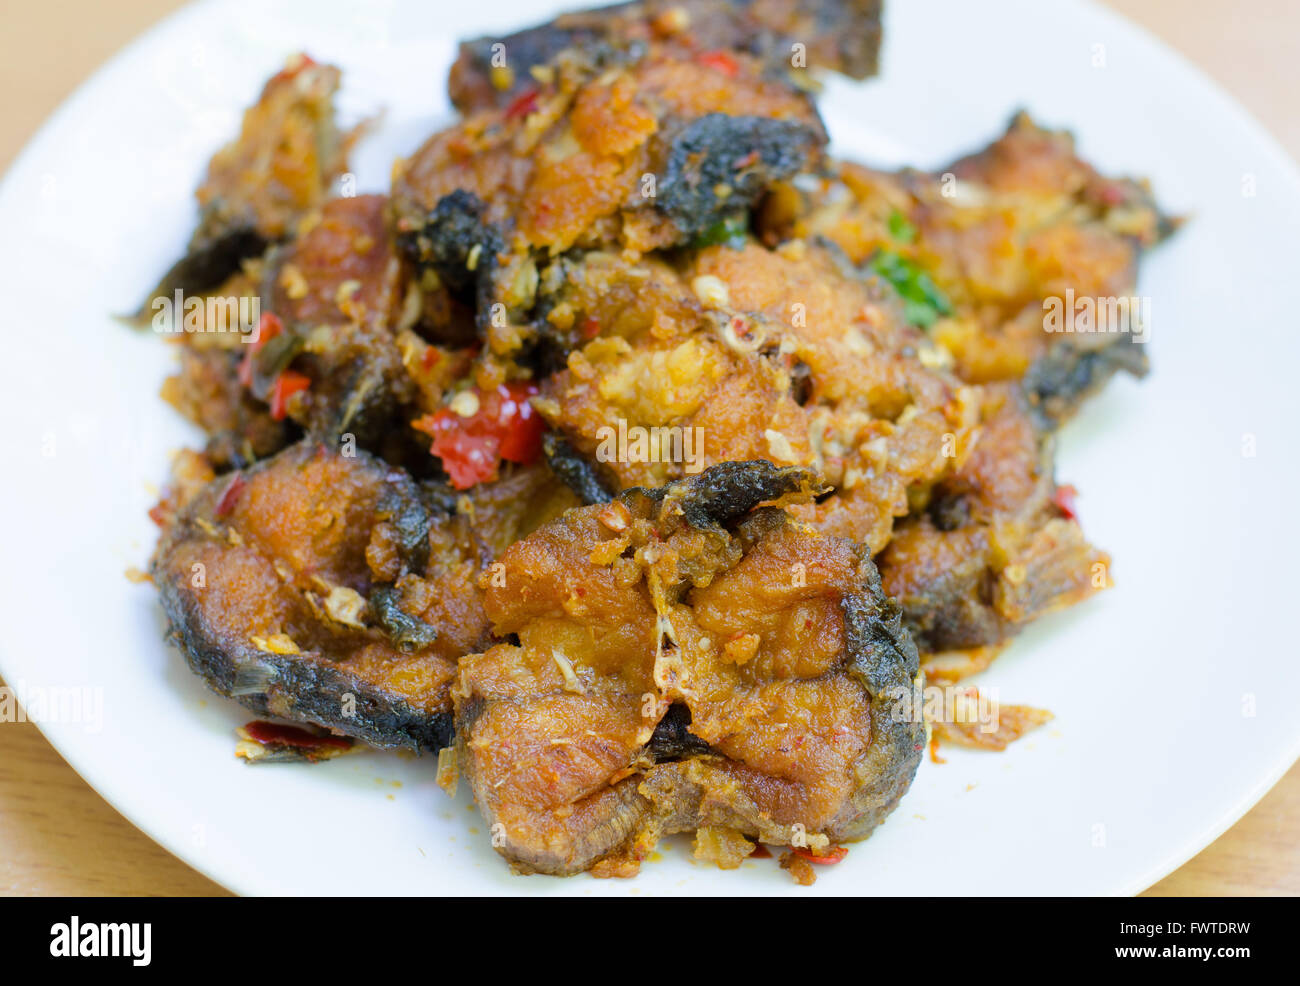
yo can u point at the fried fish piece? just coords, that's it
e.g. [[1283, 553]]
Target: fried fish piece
[[288, 152], [338, 291], [1009, 240], [837, 35], [332, 589], [992, 549], [686, 660], [799, 357], [652, 152], [737, 353]]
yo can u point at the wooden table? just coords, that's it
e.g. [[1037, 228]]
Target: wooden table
[[58, 837]]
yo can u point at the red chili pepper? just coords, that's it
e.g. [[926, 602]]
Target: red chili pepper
[[271, 733], [268, 327], [590, 328], [522, 105], [230, 494], [719, 60], [1112, 193], [1064, 500], [832, 855], [505, 426], [293, 68], [286, 385]]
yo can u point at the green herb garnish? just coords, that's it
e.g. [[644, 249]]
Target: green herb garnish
[[923, 302], [730, 230], [900, 229]]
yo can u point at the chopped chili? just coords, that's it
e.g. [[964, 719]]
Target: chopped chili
[[505, 426], [719, 60], [288, 383], [522, 105], [230, 494], [268, 327], [274, 734], [1064, 500], [832, 855]]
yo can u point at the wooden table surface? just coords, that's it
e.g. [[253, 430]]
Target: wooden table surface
[[57, 837]]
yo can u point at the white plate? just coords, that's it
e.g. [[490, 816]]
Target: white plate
[[1175, 693]]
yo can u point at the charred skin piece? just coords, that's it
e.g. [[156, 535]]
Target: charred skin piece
[[286, 156], [575, 471], [743, 153], [461, 250], [837, 35], [1003, 235], [210, 259], [1067, 374], [686, 661]]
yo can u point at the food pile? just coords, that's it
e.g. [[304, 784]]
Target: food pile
[[631, 455]]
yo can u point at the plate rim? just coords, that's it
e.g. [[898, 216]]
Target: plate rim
[[108, 787]]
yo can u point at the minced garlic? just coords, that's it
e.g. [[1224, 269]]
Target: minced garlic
[[346, 606], [277, 643], [712, 291]]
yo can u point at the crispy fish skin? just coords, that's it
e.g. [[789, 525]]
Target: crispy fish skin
[[577, 472], [686, 659], [264, 577], [837, 35]]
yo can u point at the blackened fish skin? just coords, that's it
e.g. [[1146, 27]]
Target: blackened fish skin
[[460, 247], [672, 738], [744, 155], [577, 472], [208, 262], [1057, 383], [282, 686], [731, 489], [449, 236]]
